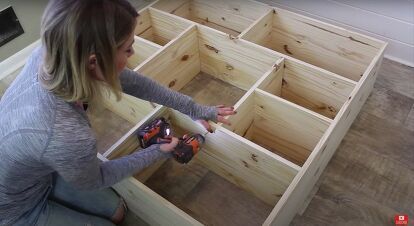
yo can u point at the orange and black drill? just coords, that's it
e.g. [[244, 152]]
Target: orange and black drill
[[158, 132]]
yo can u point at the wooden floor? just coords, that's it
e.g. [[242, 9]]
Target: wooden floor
[[371, 176]]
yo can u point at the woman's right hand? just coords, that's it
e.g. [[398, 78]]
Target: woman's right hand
[[169, 147]]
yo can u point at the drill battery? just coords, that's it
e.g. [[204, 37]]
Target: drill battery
[[156, 132]]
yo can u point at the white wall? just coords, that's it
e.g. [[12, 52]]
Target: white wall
[[388, 20], [29, 13]]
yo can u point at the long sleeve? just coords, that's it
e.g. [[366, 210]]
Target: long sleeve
[[73, 154], [147, 89]]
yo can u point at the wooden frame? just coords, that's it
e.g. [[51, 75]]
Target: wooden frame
[[300, 85]]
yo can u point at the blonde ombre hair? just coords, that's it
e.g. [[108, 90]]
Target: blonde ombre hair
[[73, 30]]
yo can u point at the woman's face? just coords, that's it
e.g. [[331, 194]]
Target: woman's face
[[123, 53]]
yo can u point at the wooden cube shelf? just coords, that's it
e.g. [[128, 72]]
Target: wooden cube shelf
[[297, 84]]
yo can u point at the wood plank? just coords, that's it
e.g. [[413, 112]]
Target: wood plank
[[143, 50], [166, 26], [172, 6], [143, 22], [177, 63], [129, 142], [241, 162], [247, 165], [339, 51], [225, 14], [108, 128], [242, 121], [260, 32], [273, 82], [296, 131], [316, 90], [304, 181], [129, 107], [148, 205], [151, 207], [339, 11], [238, 63], [215, 26]]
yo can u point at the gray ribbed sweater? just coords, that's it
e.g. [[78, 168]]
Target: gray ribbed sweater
[[41, 134]]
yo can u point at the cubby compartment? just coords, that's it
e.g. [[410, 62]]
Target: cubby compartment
[[317, 90], [158, 27], [209, 66], [244, 176], [111, 121], [278, 125], [143, 49], [231, 17], [326, 46]]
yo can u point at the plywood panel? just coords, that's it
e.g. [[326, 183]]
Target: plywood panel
[[238, 63], [302, 38], [177, 64], [318, 91]]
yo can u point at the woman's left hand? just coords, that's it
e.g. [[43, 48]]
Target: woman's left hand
[[222, 112]]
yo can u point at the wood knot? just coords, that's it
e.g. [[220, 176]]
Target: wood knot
[[331, 109], [185, 57], [236, 9], [261, 106], [231, 37], [172, 83], [265, 25], [209, 47], [286, 48], [284, 82], [254, 157], [224, 19], [229, 67], [334, 83]]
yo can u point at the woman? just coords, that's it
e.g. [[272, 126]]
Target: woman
[[49, 172]]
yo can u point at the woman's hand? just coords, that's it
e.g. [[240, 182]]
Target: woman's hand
[[222, 112], [169, 147]]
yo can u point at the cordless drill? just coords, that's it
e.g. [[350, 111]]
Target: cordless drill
[[158, 132]]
